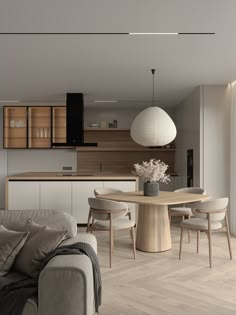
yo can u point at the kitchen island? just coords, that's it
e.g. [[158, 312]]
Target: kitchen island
[[63, 191]]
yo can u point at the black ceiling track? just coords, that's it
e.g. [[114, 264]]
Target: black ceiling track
[[63, 33], [107, 33]]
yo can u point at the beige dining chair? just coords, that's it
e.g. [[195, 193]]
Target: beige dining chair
[[185, 210], [109, 216], [208, 217], [109, 190]]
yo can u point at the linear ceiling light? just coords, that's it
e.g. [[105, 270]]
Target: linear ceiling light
[[171, 33], [11, 101], [153, 33]]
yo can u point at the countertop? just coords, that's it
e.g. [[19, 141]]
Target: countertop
[[71, 176]]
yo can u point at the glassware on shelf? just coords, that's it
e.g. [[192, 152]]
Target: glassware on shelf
[[12, 123], [103, 124], [45, 132], [41, 132]]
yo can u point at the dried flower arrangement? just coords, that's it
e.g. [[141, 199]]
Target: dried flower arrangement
[[152, 171]]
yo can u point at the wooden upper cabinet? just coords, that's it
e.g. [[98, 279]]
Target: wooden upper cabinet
[[39, 127], [15, 127], [34, 127], [59, 124]]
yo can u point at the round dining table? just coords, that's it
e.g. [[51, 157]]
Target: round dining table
[[153, 225]]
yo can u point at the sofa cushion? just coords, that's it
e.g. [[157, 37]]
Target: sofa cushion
[[52, 218], [11, 243], [36, 248], [30, 226]]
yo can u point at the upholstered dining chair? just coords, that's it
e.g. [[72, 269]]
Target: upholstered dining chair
[[109, 190], [185, 210], [109, 216], [207, 217]]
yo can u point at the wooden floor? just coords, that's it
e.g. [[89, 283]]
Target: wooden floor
[[159, 284]]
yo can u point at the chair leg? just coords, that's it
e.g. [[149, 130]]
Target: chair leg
[[91, 228], [111, 246], [189, 231], [209, 239], [198, 237], [228, 236], [181, 241], [133, 241], [111, 240], [88, 224]]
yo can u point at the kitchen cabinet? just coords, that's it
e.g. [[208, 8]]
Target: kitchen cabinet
[[59, 124], [81, 191], [55, 195], [70, 196], [34, 127], [15, 127], [39, 127], [23, 195]]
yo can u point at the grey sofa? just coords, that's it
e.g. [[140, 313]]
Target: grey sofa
[[66, 283]]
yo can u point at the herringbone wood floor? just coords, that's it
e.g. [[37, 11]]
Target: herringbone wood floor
[[160, 284]]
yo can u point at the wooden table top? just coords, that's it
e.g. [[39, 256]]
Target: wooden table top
[[164, 198]]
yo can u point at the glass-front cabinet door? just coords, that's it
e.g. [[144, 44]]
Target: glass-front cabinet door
[[39, 127], [59, 124], [15, 127], [34, 127]]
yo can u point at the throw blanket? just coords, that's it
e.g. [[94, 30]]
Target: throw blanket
[[13, 295]]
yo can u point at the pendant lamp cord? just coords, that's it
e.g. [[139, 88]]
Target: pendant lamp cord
[[153, 74]]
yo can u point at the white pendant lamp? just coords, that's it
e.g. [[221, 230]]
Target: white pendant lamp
[[153, 126]]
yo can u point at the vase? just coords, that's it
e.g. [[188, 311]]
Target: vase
[[151, 189]]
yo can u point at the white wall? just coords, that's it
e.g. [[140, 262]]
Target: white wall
[[39, 160], [215, 140], [187, 119], [203, 124]]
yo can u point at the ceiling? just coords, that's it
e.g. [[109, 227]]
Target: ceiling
[[42, 68]]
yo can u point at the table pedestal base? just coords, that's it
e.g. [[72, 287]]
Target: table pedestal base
[[153, 229]]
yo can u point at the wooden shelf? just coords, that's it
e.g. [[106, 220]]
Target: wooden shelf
[[106, 129], [120, 149]]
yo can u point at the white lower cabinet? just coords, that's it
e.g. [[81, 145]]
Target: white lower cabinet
[[124, 186], [68, 196], [23, 195], [55, 195], [81, 191]]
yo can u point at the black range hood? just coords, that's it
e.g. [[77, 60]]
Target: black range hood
[[74, 121]]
